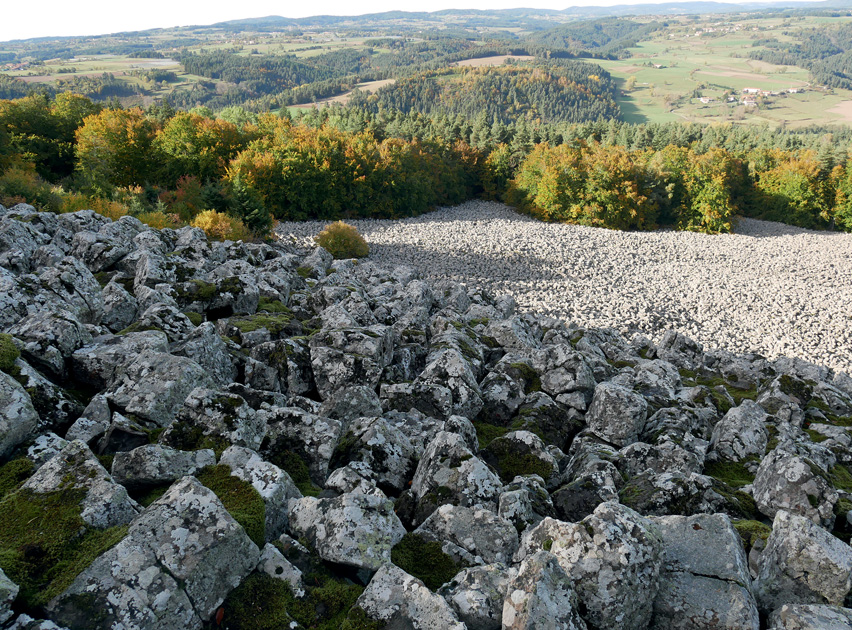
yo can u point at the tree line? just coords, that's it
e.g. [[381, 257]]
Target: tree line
[[169, 167]]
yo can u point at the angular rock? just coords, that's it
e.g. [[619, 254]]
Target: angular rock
[[451, 370], [705, 581], [274, 564], [380, 448], [204, 346], [154, 464], [49, 339], [18, 417], [75, 467], [476, 595], [521, 453], [8, 593], [120, 307], [802, 564], [741, 433], [614, 558], [486, 536], [179, 560], [101, 364], [397, 598], [155, 386], [350, 356], [617, 414], [357, 530], [786, 481], [93, 423], [811, 617], [218, 414], [312, 437], [541, 597]]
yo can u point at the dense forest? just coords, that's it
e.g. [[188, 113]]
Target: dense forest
[[171, 168], [567, 92]]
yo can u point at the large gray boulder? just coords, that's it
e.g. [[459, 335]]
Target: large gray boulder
[[476, 595], [18, 417], [541, 597], [49, 339], [154, 464], [401, 600], [485, 536], [450, 369], [155, 386], [179, 560], [350, 356], [75, 467], [102, 363], [617, 414], [355, 529], [312, 437], [802, 564], [218, 414], [380, 449], [787, 481], [705, 582], [204, 346], [741, 433], [614, 557]]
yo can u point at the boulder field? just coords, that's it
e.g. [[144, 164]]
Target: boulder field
[[197, 434]]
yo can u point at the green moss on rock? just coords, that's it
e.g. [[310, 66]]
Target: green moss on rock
[[295, 466], [734, 474], [240, 498], [9, 353], [486, 433], [273, 322], [424, 560], [272, 306], [841, 478], [45, 543], [751, 530], [196, 318], [13, 473]]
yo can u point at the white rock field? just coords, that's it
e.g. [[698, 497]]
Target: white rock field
[[768, 288]]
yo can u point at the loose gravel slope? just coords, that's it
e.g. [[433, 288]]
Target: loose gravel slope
[[768, 288]]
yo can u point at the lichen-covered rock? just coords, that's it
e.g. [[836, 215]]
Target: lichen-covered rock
[[705, 581], [525, 502], [614, 557], [617, 414], [312, 437], [397, 598], [484, 535], [103, 363], [274, 486], [44, 447], [70, 286], [350, 356], [541, 597], [382, 449], [18, 417], [153, 464], [430, 399], [273, 563], [449, 473], [802, 564], [93, 423], [120, 307], [217, 414], [741, 433], [8, 593], [786, 481], [75, 467], [166, 317], [476, 595], [355, 529], [811, 617], [49, 339], [679, 349], [450, 369], [349, 403], [179, 560], [204, 346]]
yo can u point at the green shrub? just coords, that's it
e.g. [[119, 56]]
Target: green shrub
[[343, 241], [8, 352]]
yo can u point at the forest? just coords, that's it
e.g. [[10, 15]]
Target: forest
[[172, 168]]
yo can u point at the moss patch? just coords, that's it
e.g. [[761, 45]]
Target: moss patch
[[532, 381], [139, 327], [240, 498], [45, 544], [272, 306], [734, 474], [273, 322], [146, 496], [294, 465], [486, 433], [196, 318], [263, 602], [186, 437], [750, 531], [504, 455], [13, 473], [9, 353], [841, 478], [424, 560]]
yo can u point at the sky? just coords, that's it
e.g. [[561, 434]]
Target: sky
[[51, 18]]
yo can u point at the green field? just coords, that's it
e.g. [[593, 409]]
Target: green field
[[715, 65]]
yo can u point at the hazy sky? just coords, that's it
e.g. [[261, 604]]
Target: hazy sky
[[42, 18]]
